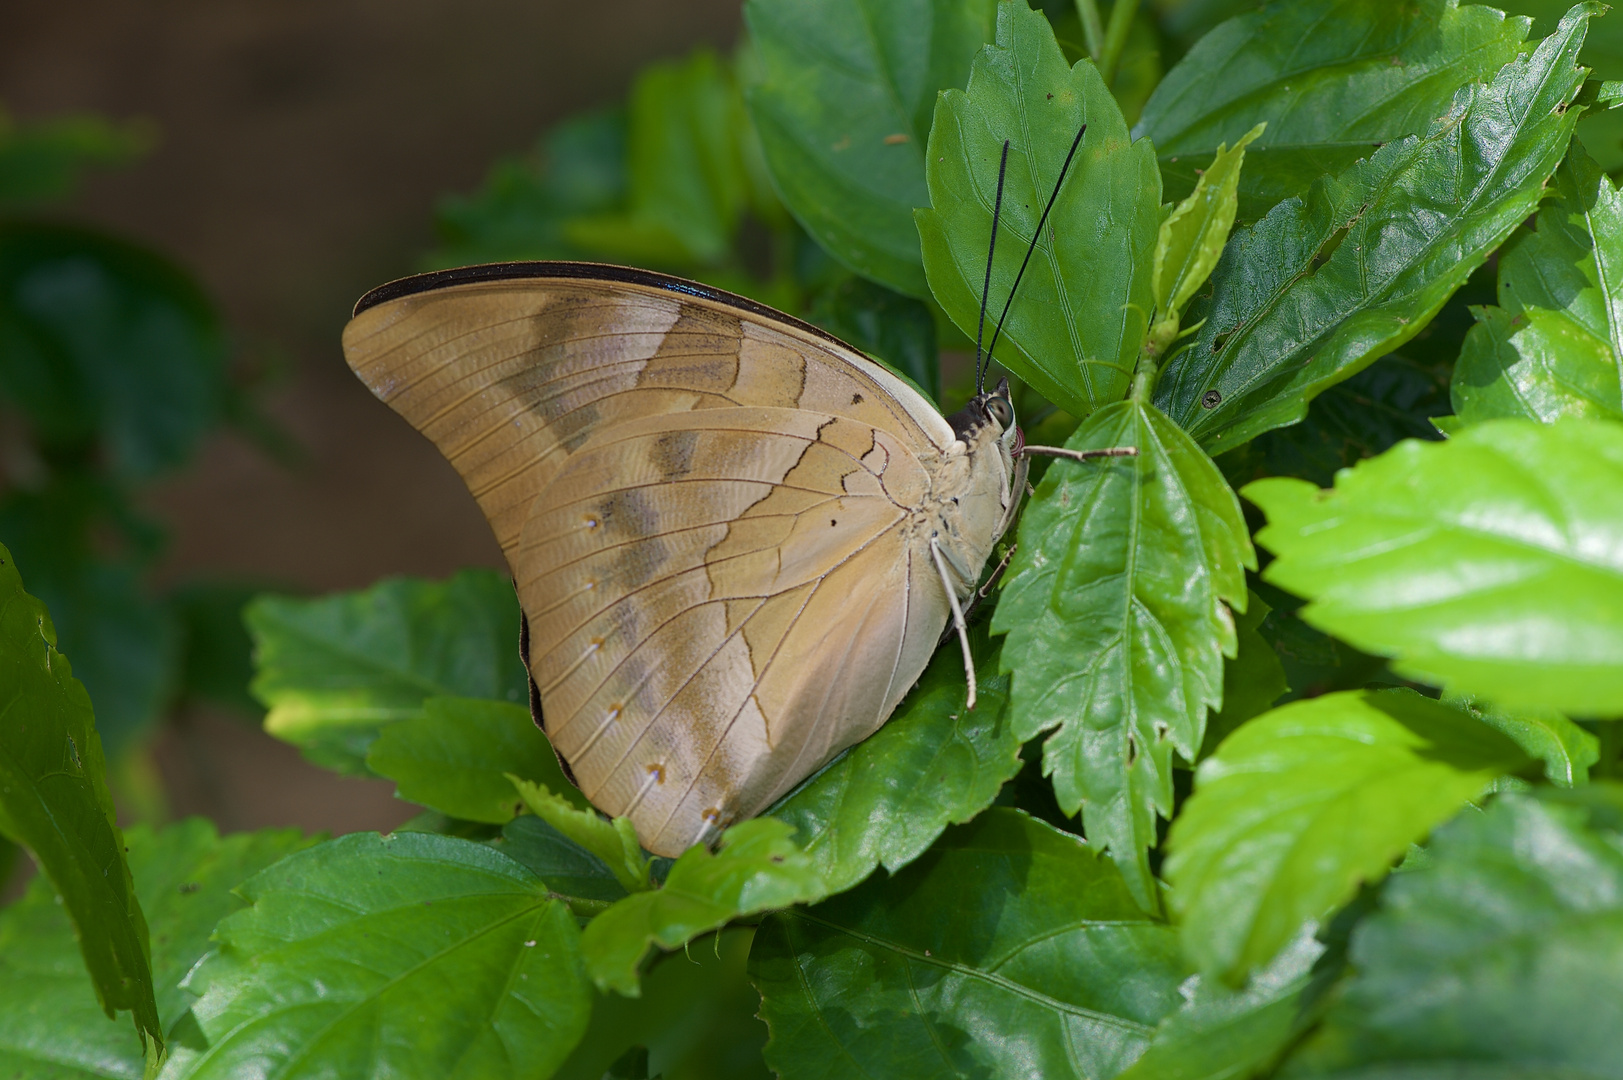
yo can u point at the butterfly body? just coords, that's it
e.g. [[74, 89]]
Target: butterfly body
[[731, 534]]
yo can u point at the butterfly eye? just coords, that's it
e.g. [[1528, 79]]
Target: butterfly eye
[[1001, 411]]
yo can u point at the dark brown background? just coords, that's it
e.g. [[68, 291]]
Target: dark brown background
[[302, 144]]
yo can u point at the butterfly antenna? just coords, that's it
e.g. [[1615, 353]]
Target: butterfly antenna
[[986, 289], [1052, 198]]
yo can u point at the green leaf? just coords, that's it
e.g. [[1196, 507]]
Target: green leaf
[[54, 800], [934, 763], [183, 875], [843, 104], [1221, 1033], [1302, 804], [1193, 235], [44, 160], [411, 955], [756, 868], [1086, 297], [695, 1019], [1332, 80], [1321, 287], [1503, 957], [894, 329], [1554, 346], [569, 869], [457, 756], [1253, 679], [1008, 949], [1117, 611], [614, 843], [109, 347], [519, 212], [333, 670], [687, 186], [1567, 750], [1527, 517]]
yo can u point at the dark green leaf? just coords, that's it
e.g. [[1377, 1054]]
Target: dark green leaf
[[613, 843], [456, 757], [1086, 298], [1302, 804], [1567, 750], [107, 346], [1320, 288], [1554, 346], [1007, 950], [44, 160], [687, 186], [843, 105], [1222, 1034], [894, 329], [1252, 680], [1527, 518], [932, 764], [1332, 79], [756, 868], [695, 1019], [54, 800], [568, 868], [1117, 611], [216, 661], [411, 956], [184, 875], [1502, 958], [333, 670], [579, 167]]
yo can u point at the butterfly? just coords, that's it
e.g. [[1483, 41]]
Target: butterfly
[[735, 539]]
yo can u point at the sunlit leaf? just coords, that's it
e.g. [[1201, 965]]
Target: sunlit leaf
[[1322, 286], [1300, 805], [614, 843], [1526, 518], [1008, 949], [333, 670], [1117, 615], [1567, 750], [1085, 300]]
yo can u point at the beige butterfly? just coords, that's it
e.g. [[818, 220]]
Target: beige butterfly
[[736, 540]]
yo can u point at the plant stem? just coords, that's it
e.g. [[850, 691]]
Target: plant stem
[[1121, 21], [1092, 34]]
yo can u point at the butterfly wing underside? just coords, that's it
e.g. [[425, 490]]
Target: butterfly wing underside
[[712, 515]]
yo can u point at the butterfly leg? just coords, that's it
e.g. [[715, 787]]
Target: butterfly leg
[[991, 582], [957, 618], [1081, 455]]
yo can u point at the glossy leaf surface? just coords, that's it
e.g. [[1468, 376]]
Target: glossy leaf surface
[[1504, 957], [1008, 949], [333, 670], [1526, 518], [1084, 303], [1554, 345], [932, 764], [54, 800], [346, 948], [1300, 805], [1322, 286], [1117, 615], [843, 105], [1332, 80], [756, 868]]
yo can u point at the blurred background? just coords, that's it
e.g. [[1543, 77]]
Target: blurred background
[[286, 155]]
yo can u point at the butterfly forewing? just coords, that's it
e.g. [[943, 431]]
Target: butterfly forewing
[[717, 520]]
